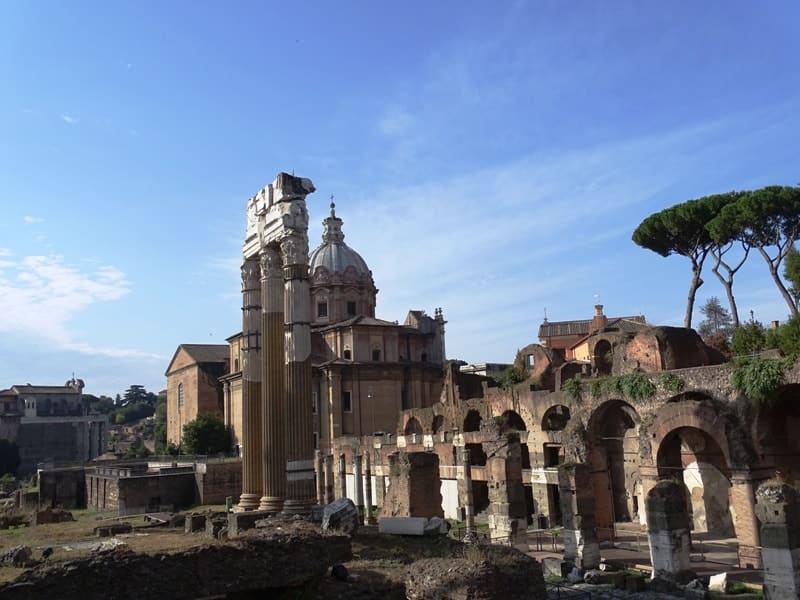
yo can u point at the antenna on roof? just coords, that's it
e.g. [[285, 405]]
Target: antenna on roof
[[545, 314]]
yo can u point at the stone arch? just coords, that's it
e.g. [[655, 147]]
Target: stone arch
[[438, 423], [413, 426], [693, 457], [613, 433], [698, 415], [512, 421], [472, 422], [603, 357], [555, 418]]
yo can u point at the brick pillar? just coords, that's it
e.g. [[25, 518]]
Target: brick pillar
[[329, 482], [668, 528], [252, 476], [368, 518], [743, 505], [577, 511], [414, 486], [778, 508], [273, 398], [358, 485], [506, 491], [464, 483], [299, 421], [319, 475]]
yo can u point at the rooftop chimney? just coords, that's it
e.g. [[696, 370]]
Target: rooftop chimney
[[599, 320]]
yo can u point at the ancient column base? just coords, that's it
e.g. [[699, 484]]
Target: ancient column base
[[247, 502], [297, 507], [271, 503]]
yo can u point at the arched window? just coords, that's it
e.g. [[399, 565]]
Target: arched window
[[180, 395], [348, 355]]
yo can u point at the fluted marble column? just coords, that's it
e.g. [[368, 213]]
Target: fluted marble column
[[300, 492], [368, 518], [252, 477], [273, 422]]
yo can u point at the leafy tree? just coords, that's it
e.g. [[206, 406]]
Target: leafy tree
[[786, 337], [767, 218], [160, 430], [9, 457], [138, 393], [681, 230], [717, 319], [132, 412], [510, 377], [749, 338], [791, 272], [206, 435]]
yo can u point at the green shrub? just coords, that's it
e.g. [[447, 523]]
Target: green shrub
[[637, 387], [572, 388], [758, 378], [671, 382]]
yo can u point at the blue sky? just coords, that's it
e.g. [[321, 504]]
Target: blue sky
[[489, 158]]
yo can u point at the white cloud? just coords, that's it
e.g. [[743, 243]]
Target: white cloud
[[70, 120], [29, 220], [395, 121], [39, 295]]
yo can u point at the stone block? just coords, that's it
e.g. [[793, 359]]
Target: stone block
[[194, 522], [551, 567], [242, 521], [342, 515], [719, 583], [436, 525], [402, 525]]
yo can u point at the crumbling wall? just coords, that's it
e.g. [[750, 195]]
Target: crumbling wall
[[414, 486]]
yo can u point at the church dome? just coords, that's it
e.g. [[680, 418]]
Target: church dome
[[333, 254], [341, 282]]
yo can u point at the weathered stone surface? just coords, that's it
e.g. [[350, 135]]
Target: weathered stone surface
[[250, 563], [18, 556], [52, 515], [414, 486], [551, 567], [341, 515], [402, 525], [436, 525], [502, 573]]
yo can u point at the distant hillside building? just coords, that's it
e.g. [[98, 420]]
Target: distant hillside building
[[194, 385], [48, 424]]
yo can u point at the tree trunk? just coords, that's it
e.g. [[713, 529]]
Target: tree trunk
[[728, 285], [697, 281], [773, 270]]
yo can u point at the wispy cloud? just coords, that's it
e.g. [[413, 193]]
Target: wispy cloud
[[29, 220], [395, 121], [70, 120], [39, 295]]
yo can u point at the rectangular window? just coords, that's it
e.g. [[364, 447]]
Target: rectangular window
[[552, 455], [314, 403], [347, 401], [351, 309], [322, 309], [316, 441], [376, 355]]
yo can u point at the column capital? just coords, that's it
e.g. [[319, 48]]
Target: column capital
[[271, 267], [250, 274]]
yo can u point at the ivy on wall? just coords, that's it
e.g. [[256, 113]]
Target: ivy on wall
[[760, 378]]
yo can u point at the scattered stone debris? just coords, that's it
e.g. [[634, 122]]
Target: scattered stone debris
[[52, 515]]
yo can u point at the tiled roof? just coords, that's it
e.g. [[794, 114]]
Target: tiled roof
[[581, 327], [205, 353]]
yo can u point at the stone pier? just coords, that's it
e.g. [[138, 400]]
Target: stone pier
[[778, 508], [319, 475], [577, 509], [368, 517], [668, 529], [327, 467], [358, 486], [272, 422], [414, 486], [506, 492], [252, 476], [341, 477], [464, 482]]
